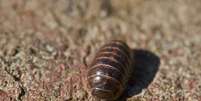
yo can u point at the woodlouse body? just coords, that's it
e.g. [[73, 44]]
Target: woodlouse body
[[110, 70]]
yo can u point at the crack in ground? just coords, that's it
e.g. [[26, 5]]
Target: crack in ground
[[22, 93], [16, 79], [22, 88]]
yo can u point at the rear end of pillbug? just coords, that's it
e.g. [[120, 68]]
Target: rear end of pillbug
[[109, 71]]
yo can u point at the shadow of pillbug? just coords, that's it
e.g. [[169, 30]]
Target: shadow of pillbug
[[109, 72]]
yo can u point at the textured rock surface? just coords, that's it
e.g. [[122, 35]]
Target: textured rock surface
[[44, 43]]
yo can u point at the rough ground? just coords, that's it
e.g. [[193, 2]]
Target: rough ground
[[44, 44]]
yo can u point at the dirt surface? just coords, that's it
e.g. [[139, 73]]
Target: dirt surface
[[44, 44]]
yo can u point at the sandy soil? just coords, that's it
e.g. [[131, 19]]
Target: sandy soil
[[44, 44]]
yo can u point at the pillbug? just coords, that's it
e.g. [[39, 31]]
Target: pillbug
[[109, 72]]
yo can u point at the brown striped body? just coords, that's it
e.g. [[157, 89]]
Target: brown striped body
[[109, 72]]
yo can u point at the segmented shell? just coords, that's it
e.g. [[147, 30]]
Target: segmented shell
[[110, 70]]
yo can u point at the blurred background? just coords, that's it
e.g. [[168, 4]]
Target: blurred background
[[44, 44]]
